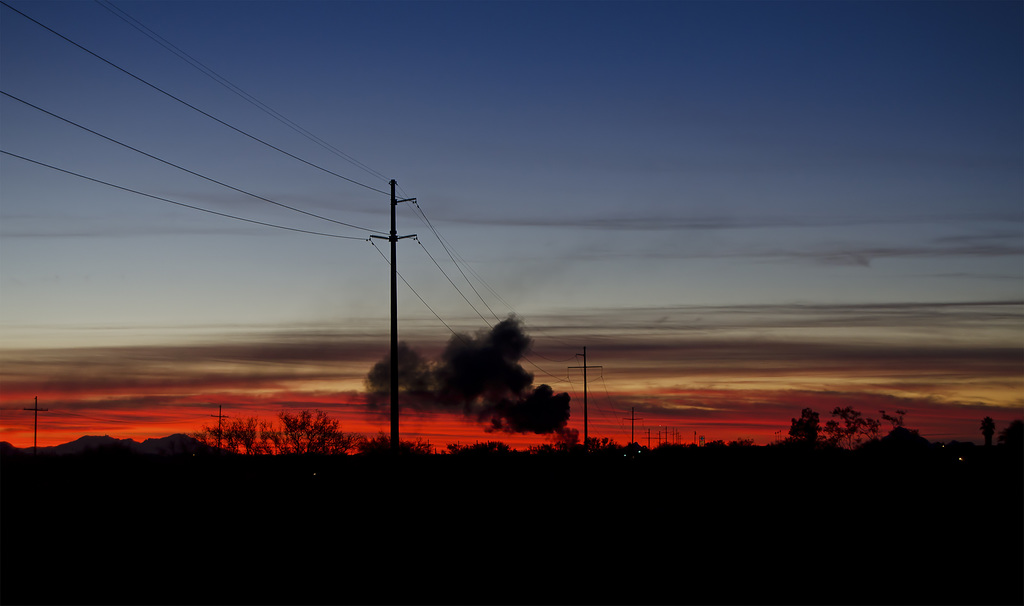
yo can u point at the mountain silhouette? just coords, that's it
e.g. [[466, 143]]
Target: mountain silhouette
[[176, 444]]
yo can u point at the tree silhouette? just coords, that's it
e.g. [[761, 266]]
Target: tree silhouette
[[1013, 435], [312, 433], [248, 435], [854, 429], [988, 429], [304, 432], [896, 420], [805, 429]]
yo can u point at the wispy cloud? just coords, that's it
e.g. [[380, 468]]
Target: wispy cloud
[[740, 366], [939, 317], [660, 223]]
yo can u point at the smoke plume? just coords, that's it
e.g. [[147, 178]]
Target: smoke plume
[[480, 376]]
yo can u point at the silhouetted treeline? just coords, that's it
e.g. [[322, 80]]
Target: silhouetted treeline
[[897, 520], [314, 432], [482, 525]]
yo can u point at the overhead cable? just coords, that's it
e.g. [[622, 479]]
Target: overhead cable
[[457, 266], [486, 321], [199, 208], [459, 261], [193, 107], [446, 325], [191, 172], [184, 56], [422, 300]]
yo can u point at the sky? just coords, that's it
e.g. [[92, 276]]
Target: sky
[[740, 210]]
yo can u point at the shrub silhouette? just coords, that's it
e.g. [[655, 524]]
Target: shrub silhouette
[[299, 433]]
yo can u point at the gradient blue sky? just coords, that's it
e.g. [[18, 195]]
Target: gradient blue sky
[[657, 181]]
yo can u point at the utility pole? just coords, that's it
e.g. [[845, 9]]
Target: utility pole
[[35, 428], [585, 367], [632, 423], [393, 238], [220, 429]]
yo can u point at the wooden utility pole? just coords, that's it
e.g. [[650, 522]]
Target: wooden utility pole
[[585, 367], [393, 238], [35, 427]]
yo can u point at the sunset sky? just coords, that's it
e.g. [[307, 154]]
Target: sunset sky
[[740, 209]]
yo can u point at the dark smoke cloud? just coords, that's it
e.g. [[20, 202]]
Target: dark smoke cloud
[[484, 367], [480, 376], [414, 375], [542, 411]]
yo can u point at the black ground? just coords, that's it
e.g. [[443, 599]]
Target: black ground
[[705, 526]]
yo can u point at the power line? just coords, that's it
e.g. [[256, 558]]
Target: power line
[[424, 218], [486, 321], [457, 266], [182, 168], [199, 208], [190, 106], [422, 300], [446, 325], [459, 261], [611, 411], [607, 395], [184, 56], [539, 355], [571, 385], [452, 255]]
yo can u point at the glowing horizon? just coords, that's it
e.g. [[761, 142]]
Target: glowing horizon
[[740, 209], [719, 386]]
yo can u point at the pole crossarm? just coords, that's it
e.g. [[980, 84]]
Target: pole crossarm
[[396, 237]]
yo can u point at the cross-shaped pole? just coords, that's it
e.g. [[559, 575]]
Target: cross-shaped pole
[[35, 429]]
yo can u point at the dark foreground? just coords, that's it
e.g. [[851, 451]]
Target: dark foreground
[[754, 526]]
